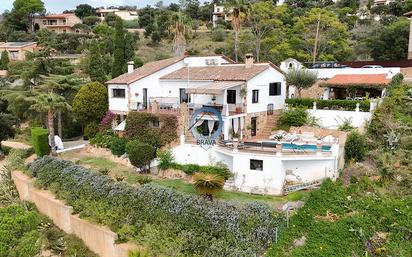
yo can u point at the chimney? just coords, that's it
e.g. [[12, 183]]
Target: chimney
[[249, 60], [130, 67]]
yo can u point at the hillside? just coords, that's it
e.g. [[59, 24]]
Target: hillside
[[368, 211]]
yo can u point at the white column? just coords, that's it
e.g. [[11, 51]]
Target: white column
[[226, 128], [225, 105]]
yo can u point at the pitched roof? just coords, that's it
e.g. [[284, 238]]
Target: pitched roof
[[359, 80], [227, 72], [144, 71], [16, 44], [58, 16]]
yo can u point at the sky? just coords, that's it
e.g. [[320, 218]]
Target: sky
[[55, 6]]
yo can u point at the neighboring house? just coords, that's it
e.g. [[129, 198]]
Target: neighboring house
[[59, 23], [127, 15], [17, 50], [245, 94], [356, 86], [290, 63], [219, 14], [382, 2]]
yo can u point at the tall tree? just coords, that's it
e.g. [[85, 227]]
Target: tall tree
[[319, 34], [178, 31], [96, 67], [119, 62], [50, 103], [262, 21], [21, 16], [4, 60], [390, 42], [84, 10], [7, 122], [129, 47], [238, 11]]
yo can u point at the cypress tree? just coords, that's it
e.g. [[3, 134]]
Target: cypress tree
[[96, 68], [129, 43], [119, 62], [4, 60]]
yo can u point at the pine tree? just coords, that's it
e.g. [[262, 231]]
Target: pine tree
[[4, 60], [96, 67], [119, 62]]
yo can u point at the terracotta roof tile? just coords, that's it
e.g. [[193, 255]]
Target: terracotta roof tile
[[365, 80], [218, 73], [144, 71]]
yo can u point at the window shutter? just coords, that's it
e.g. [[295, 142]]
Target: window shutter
[[278, 88]]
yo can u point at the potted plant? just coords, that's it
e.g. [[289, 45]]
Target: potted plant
[[235, 139]]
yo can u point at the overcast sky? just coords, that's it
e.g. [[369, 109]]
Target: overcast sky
[[54, 6]]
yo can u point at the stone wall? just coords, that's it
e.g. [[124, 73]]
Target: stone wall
[[97, 238]]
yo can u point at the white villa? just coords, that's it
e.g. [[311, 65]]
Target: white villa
[[245, 94], [249, 96]]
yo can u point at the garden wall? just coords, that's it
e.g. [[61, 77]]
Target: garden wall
[[99, 239]]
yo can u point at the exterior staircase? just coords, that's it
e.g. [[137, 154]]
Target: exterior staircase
[[270, 124], [293, 188], [230, 185]]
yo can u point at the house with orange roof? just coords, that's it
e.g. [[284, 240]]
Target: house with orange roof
[[59, 23], [356, 86]]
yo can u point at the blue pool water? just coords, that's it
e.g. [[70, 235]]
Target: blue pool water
[[325, 148]]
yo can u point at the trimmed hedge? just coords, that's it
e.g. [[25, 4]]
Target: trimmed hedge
[[167, 222], [347, 105], [40, 141]]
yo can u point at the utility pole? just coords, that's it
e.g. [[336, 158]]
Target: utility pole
[[315, 48]]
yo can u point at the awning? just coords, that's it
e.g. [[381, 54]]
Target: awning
[[214, 88], [121, 126]]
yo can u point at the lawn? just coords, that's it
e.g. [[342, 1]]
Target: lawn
[[132, 177]]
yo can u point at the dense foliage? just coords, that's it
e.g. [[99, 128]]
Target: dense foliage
[[346, 105], [167, 222], [367, 212], [90, 103], [140, 126], [40, 141], [294, 117], [140, 154], [355, 147]]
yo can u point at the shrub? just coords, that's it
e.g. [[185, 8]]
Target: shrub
[[200, 227], [165, 159], [107, 121], [91, 130], [103, 140], [140, 154], [118, 146], [143, 180], [355, 147], [294, 117], [208, 184], [347, 105], [219, 35], [40, 141]]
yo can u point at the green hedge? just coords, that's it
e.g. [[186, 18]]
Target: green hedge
[[40, 141], [167, 222], [347, 105]]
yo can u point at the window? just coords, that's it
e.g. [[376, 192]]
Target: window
[[231, 96], [154, 124], [119, 93], [275, 88], [255, 96], [14, 55], [256, 164]]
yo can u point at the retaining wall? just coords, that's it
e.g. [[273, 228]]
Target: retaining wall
[[97, 238]]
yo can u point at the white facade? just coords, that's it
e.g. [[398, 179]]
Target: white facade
[[275, 170], [329, 73], [126, 15], [170, 92], [332, 119]]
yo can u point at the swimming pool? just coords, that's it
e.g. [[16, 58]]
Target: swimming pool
[[289, 146]]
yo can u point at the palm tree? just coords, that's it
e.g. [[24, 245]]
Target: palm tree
[[238, 10], [50, 103], [208, 184], [178, 31]]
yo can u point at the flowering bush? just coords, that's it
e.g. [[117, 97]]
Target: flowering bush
[[167, 222], [106, 122]]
